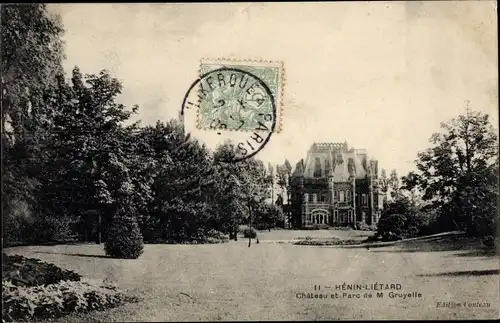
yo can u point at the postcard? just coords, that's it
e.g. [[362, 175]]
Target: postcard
[[250, 161]]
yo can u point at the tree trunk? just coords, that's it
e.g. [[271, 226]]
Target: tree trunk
[[250, 225], [99, 231]]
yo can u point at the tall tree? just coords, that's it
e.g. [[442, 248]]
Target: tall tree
[[31, 56], [394, 183], [231, 197], [185, 190], [288, 168], [384, 184], [88, 173], [270, 172], [283, 174], [454, 171]]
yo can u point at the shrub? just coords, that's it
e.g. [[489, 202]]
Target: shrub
[[269, 216], [372, 238], [124, 239], [49, 227], [55, 300], [490, 242], [414, 225], [24, 271], [211, 240], [327, 242], [250, 233], [216, 234], [391, 227], [17, 221], [365, 227], [317, 227]]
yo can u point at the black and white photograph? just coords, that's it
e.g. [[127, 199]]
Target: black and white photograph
[[254, 161]]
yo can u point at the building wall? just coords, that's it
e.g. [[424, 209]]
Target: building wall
[[347, 209]]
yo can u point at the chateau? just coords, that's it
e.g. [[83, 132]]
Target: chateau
[[335, 186]]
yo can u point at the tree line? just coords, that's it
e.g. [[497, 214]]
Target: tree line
[[454, 186], [74, 165]]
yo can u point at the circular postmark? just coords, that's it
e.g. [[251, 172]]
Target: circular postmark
[[232, 101]]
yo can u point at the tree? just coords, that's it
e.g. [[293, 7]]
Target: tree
[[394, 184], [230, 197], [384, 184], [401, 218], [185, 189], [31, 56], [268, 216], [124, 240], [456, 173], [283, 174], [89, 167], [270, 172], [254, 186], [245, 184]]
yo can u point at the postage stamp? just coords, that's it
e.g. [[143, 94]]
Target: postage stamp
[[240, 95]]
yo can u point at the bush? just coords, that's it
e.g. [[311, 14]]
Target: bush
[[124, 239], [22, 271], [365, 227], [269, 216], [55, 300], [17, 221], [391, 227], [216, 234], [317, 227], [490, 243], [326, 242], [372, 238], [414, 225], [210, 237], [250, 233], [49, 227]]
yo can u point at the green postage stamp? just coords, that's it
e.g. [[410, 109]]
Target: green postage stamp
[[240, 95]]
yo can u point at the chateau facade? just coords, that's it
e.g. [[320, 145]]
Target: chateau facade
[[335, 186]]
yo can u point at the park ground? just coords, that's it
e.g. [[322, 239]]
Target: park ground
[[234, 282]]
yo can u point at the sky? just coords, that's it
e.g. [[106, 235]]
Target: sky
[[381, 76]]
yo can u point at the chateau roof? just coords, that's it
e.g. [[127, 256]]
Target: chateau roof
[[335, 159]]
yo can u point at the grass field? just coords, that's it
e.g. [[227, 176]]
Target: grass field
[[233, 282]]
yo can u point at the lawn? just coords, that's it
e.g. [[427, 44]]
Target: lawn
[[233, 282]]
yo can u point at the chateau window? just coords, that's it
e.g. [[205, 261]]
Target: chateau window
[[317, 168], [341, 196], [315, 197], [311, 197], [348, 196], [325, 197], [321, 197], [363, 199], [336, 195]]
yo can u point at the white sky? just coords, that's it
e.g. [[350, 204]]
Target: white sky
[[381, 76]]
